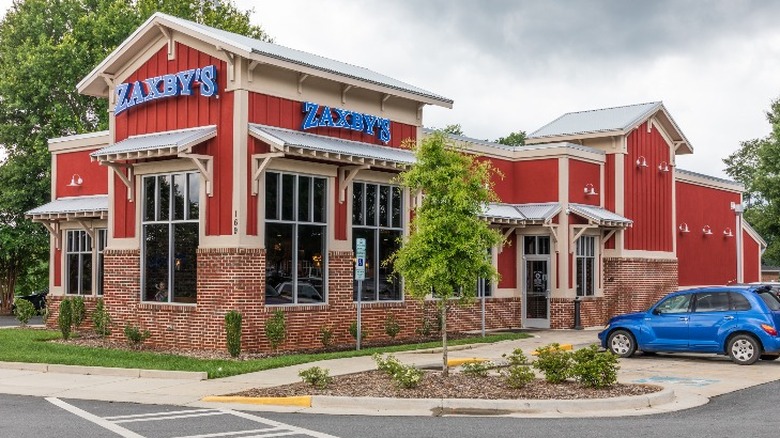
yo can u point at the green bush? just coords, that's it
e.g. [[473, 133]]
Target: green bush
[[65, 318], [516, 358], [554, 362], [407, 376], [316, 377], [518, 373], [595, 369], [24, 310], [326, 336], [136, 337], [276, 329], [392, 328], [387, 364], [101, 319], [233, 330], [79, 311], [353, 331], [477, 369]]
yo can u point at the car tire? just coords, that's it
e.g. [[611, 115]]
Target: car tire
[[744, 349], [770, 356], [621, 343]]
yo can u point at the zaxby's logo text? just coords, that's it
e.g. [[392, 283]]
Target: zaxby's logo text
[[345, 119], [182, 83]]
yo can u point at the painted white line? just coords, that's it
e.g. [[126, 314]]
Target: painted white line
[[119, 430], [261, 420], [289, 432], [157, 414], [170, 417], [237, 432]]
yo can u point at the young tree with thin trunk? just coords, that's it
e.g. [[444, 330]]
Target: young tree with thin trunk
[[447, 250]]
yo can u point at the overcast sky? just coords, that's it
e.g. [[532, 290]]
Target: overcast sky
[[516, 65]]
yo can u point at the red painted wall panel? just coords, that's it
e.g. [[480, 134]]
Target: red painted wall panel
[[751, 260], [178, 113], [648, 192], [535, 181], [705, 259], [583, 174], [58, 266], [340, 215], [609, 191], [503, 180], [507, 263], [94, 176]]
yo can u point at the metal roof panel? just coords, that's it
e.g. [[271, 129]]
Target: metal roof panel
[[179, 140], [77, 204], [601, 120]]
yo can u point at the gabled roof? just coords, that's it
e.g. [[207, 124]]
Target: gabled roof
[[254, 50], [754, 234], [72, 208], [618, 120], [159, 144], [331, 148], [600, 216]]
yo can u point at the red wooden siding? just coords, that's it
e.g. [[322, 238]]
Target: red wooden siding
[[58, 265], [177, 113], [507, 263], [706, 259], [94, 176], [535, 181], [648, 192], [503, 183], [582, 174], [751, 259]]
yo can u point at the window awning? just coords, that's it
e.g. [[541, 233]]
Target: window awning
[[80, 207], [159, 144], [332, 149], [521, 214], [600, 216]]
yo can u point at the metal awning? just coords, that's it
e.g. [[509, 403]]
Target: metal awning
[[521, 214], [333, 149], [600, 216], [159, 144], [80, 207]]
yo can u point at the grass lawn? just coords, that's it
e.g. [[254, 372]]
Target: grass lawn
[[29, 345]]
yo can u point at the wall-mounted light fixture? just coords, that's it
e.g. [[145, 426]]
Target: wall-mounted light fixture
[[683, 228], [590, 190], [75, 180], [707, 230], [663, 166], [728, 233], [641, 161]]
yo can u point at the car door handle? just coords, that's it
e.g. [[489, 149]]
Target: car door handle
[[683, 318], [728, 318]]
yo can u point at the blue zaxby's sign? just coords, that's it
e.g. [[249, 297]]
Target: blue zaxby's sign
[[345, 119], [131, 94]]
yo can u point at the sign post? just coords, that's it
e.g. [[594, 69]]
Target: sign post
[[360, 275]]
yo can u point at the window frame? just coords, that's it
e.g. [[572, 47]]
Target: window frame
[[588, 255]]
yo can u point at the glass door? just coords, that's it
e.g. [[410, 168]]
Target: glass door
[[536, 302]]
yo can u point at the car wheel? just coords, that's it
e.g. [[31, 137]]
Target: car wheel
[[622, 343], [744, 349], [770, 356]]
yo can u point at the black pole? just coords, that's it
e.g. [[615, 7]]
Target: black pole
[[577, 319]]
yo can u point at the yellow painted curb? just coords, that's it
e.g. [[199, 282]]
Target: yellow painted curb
[[302, 401], [458, 362], [566, 347]]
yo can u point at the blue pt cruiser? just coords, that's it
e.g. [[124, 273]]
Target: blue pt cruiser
[[739, 321]]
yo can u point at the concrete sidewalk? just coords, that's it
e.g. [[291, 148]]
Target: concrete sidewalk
[[688, 380]]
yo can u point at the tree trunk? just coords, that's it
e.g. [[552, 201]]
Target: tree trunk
[[445, 370]]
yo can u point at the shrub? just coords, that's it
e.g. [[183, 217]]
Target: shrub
[[426, 328], [387, 364], [24, 310], [392, 328], [65, 318], [275, 329], [136, 337], [233, 330], [353, 331], [326, 336], [316, 377], [79, 311], [554, 362], [477, 369], [101, 319], [517, 376], [407, 376], [516, 358], [595, 369]]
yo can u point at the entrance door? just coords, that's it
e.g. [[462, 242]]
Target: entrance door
[[536, 302]]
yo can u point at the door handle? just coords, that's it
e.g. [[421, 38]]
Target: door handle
[[728, 318], [683, 318]]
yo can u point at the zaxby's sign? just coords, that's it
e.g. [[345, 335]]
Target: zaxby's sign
[[182, 83], [345, 119]]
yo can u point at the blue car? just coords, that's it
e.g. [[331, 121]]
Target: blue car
[[739, 321]]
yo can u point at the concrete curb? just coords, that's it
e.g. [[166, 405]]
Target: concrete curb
[[104, 371]]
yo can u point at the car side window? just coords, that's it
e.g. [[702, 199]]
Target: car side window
[[711, 302], [675, 304], [739, 302]]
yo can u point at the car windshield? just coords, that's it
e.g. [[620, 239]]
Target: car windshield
[[770, 299]]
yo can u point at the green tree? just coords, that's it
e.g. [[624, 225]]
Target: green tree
[[513, 139], [756, 164], [46, 48], [446, 252], [454, 129]]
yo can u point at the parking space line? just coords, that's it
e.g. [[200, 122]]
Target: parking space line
[[235, 432], [119, 430], [156, 414], [170, 417], [261, 420]]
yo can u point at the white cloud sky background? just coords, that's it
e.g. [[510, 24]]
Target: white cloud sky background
[[518, 64]]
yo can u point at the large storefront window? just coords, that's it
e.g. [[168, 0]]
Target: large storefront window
[[170, 225], [295, 233], [586, 265], [376, 217]]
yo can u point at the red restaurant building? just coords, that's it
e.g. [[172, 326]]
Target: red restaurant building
[[236, 175]]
